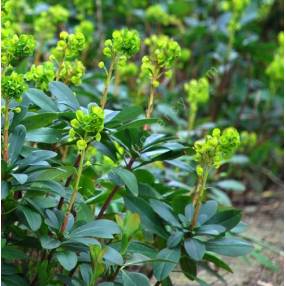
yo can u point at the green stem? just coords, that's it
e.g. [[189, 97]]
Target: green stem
[[150, 107], [6, 131], [107, 83], [199, 195], [192, 117], [75, 191]]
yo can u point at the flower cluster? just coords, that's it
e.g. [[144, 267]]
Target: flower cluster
[[84, 8], [216, 148], [235, 6], [275, 70], [163, 51], [123, 45], [71, 72], [69, 46], [47, 22], [156, 14], [197, 90], [41, 74], [13, 86], [248, 139], [16, 48], [86, 126], [127, 71], [87, 29]]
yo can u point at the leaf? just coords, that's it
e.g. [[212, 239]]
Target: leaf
[[189, 212], [227, 218], [64, 95], [20, 178], [189, 267], [229, 246], [194, 248], [39, 120], [210, 229], [164, 211], [217, 261], [209, 209], [67, 259], [113, 256], [10, 252], [37, 156], [16, 142], [40, 99], [4, 190], [48, 242], [231, 185], [163, 269], [44, 135], [138, 123], [134, 279], [149, 219], [101, 228], [174, 239], [33, 219], [129, 179], [127, 114]]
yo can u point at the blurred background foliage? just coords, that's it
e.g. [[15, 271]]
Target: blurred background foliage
[[236, 45]]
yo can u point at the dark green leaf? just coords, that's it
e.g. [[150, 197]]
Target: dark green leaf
[[40, 99], [163, 269], [64, 95], [67, 259], [44, 135], [101, 228], [134, 279], [39, 120], [33, 219], [16, 142], [194, 248], [48, 242], [149, 219], [231, 185], [227, 218], [128, 178], [189, 212], [164, 211], [113, 256], [20, 178], [174, 239], [210, 229], [217, 261], [229, 246]]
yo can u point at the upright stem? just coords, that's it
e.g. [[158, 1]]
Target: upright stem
[[150, 107], [199, 196], [108, 79], [75, 191], [112, 194], [192, 116], [6, 130]]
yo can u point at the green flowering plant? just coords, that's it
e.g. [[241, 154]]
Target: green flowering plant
[[85, 128], [275, 69], [69, 47], [163, 52], [197, 93], [248, 140], [46, 23], [41, 75], [236, 8], [123, 45], [13, 86], [211, 152], [156, 14], [86, 27], [16, 48]]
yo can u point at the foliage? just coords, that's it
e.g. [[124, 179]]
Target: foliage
[[117, 155]]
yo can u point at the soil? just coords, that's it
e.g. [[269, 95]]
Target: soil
[[265, 224]]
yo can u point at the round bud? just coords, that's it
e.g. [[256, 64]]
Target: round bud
[[81, 144], [101, 65], [64, 35]]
